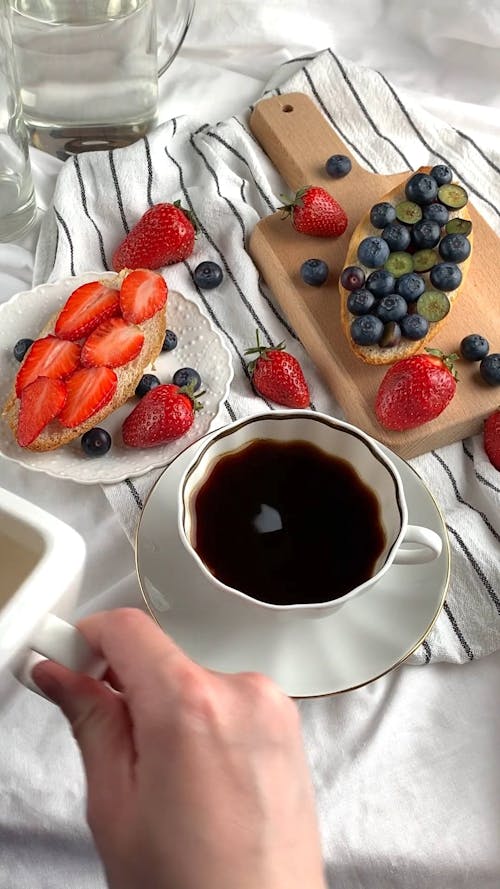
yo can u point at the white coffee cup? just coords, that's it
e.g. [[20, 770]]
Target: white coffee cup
[[404, 544], [42, 563]]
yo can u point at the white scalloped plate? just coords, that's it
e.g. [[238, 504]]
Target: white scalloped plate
[[199, 346]]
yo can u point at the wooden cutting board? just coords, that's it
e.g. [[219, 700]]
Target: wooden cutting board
[[298, 139]]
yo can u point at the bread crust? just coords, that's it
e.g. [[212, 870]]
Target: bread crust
[[55, 435], [375, 354]]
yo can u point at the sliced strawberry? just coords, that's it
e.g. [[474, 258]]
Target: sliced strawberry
[[142, 294], [89, 389], [41, 401], [48, 357], [113, 343], [87, 306]]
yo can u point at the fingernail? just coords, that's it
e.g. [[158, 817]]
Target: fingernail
[[47, 683]]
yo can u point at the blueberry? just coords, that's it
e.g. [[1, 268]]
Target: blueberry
[[381, 282], [410, 286], [21, 348], [314, 272], [490, 369], [187, 376], [367, 330], [382, 214], [170, 341], [338, 166], [352, 277], [421, 188], [442, 174], [454, 248], [391, 336], [446, 276], [96, 442], [208, 275], [360, 302], [146, 383], [414, 327], [373, 252], [474, 347], [425, 234], [397, 236], [392, 308], [437, 212]]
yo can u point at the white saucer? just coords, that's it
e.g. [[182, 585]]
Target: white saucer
[[306, 656], [199, 345]]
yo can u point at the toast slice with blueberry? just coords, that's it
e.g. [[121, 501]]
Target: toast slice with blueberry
[[405, 267]]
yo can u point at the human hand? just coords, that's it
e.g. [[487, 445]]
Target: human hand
[[195, 778]]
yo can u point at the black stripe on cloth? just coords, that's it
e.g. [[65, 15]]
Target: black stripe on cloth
[[365, 110], [118, 192], [275, 311], [481, 478], [216, 321], [230, 204], [223, 259], [240, 157], [243, 127], [433, 150], [461, 500], [83, 195], [458, 632], [70, 242], [174, 126], [298, 59], [477, 568], [238, 216], [278, 91], [333, 122], [478, 149], [135, 493], [262, 292], [427, 649], [150, 171], [56, 247], [205, 302], [230, 410]]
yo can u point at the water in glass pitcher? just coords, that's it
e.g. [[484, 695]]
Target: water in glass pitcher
[[88, 71]]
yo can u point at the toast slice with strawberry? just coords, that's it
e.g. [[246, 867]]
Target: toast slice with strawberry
[[389, 340], [96, 373]]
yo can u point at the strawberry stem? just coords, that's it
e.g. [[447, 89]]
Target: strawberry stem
[[448, 360], [289, 203], [262, 351], [189, 214], [188, 390]]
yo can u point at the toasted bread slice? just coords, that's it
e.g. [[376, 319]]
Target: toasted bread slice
[[55, 435], [376, 354]]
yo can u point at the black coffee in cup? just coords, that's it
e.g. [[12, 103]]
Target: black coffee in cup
[[286, 523]]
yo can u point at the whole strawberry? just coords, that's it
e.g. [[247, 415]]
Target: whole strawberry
[[278, 375], [164, 235], [315, 212], [491, 438], [416, 390], [164, 413]]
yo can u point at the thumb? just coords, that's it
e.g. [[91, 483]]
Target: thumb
[[101, 725]]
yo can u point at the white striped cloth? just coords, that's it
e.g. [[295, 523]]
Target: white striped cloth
[[220, 172]]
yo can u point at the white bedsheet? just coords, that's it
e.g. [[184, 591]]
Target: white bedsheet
[[408, 784]]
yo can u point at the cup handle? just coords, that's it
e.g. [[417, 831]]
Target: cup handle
[[60, 641], [430, 548]]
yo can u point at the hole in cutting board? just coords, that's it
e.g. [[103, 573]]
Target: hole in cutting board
[[287, 108]]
